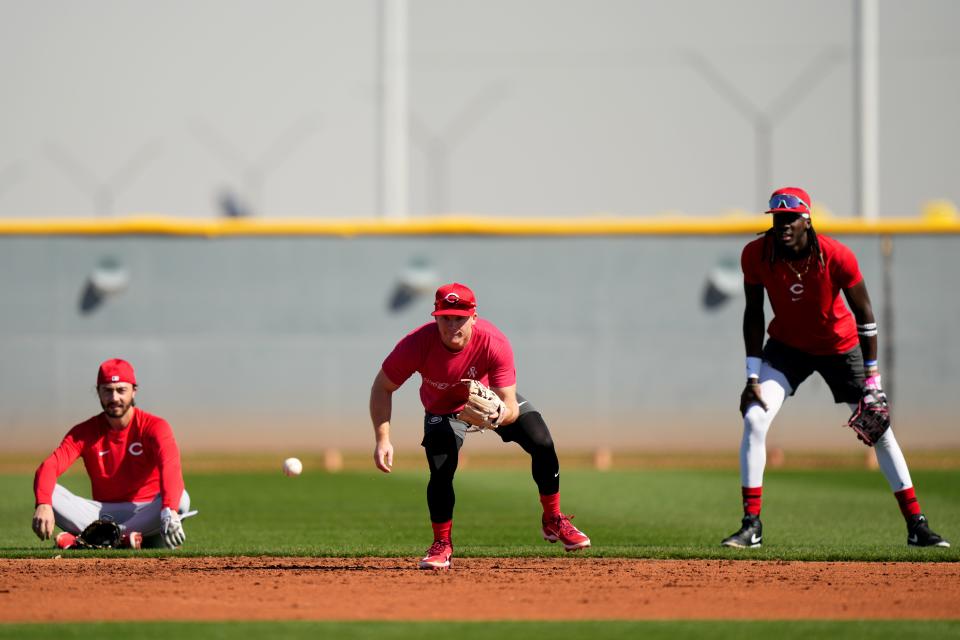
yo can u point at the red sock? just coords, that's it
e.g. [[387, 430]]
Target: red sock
[[752, 497], [551, 504], [441, 530], [909, 506]]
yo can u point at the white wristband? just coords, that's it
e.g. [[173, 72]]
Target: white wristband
[[753, 367]]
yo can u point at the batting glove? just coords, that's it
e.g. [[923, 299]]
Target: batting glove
[[872, 391], [171, 529]]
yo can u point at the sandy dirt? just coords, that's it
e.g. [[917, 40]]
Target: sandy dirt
[[570, 588]]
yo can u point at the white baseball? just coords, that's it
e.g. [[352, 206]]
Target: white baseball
[[292, 467]]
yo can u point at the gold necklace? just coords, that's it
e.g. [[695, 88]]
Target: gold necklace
[[806, 267]]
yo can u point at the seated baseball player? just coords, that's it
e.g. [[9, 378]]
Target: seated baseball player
[[134, 467]]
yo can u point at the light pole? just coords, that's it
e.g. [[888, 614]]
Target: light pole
[[866, 116], [393, 156]]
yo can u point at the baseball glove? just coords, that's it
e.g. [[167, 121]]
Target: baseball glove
[[484, 408], [100, 534], [871, 418]]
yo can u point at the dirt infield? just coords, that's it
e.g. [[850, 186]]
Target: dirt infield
[[475, 589]]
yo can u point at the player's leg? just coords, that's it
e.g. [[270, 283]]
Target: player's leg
[[442, 439], [893, 464], [532, 434], [141, 520], [782, 371], [774, 388], [121, 513], [72, 514], [894, 467], [844, 375]]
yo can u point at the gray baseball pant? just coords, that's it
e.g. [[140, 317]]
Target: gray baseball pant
[[74, 514]]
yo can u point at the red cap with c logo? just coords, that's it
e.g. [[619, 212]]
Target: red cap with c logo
[[454, 299]]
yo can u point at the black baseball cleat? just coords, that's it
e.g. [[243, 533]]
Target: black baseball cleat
[[750, 535], [920, 535]]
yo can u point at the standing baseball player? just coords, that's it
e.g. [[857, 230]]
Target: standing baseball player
[[812, 330], [134, 467], [458, 356]]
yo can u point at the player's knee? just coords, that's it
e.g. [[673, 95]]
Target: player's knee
[[545, 448], [184, 505], [542, 442], [756, 420], [537, 430]]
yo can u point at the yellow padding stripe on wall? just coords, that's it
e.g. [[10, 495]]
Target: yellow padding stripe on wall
[[455, 225]]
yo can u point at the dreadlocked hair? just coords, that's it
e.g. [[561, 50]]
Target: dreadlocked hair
[[770, 246]]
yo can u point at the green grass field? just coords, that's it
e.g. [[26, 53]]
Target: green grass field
[[808, 515]]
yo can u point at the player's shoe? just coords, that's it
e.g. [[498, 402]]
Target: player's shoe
[[131, 540], [558, 528], [750, 535], [920, 535], [438, 555], [64, 540]]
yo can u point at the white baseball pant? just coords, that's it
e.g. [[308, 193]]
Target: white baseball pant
[[774, 389]]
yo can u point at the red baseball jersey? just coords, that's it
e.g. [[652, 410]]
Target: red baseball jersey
[[132, 465], [487, 358], [808, 311]]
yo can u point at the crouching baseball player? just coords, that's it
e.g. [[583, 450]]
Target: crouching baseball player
[[812, 330], [134, 467], [457, 356]]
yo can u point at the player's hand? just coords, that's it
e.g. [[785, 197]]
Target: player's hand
[[872, 389], [171, 528], [751, 395], [43, 521], [383, 456]]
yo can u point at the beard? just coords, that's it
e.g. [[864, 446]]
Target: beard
[[117, 409]]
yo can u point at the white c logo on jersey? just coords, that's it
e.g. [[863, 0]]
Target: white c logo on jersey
[[797, 290], [135, 448]]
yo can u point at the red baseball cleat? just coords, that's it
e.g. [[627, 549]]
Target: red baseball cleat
[[438, 555], [558, 528], [64, 540], [131, 540]]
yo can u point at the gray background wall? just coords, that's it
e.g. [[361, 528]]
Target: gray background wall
[[254, 343]]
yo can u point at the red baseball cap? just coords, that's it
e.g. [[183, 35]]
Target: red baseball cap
[[790, 200], [454, 299], [116, 370]]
